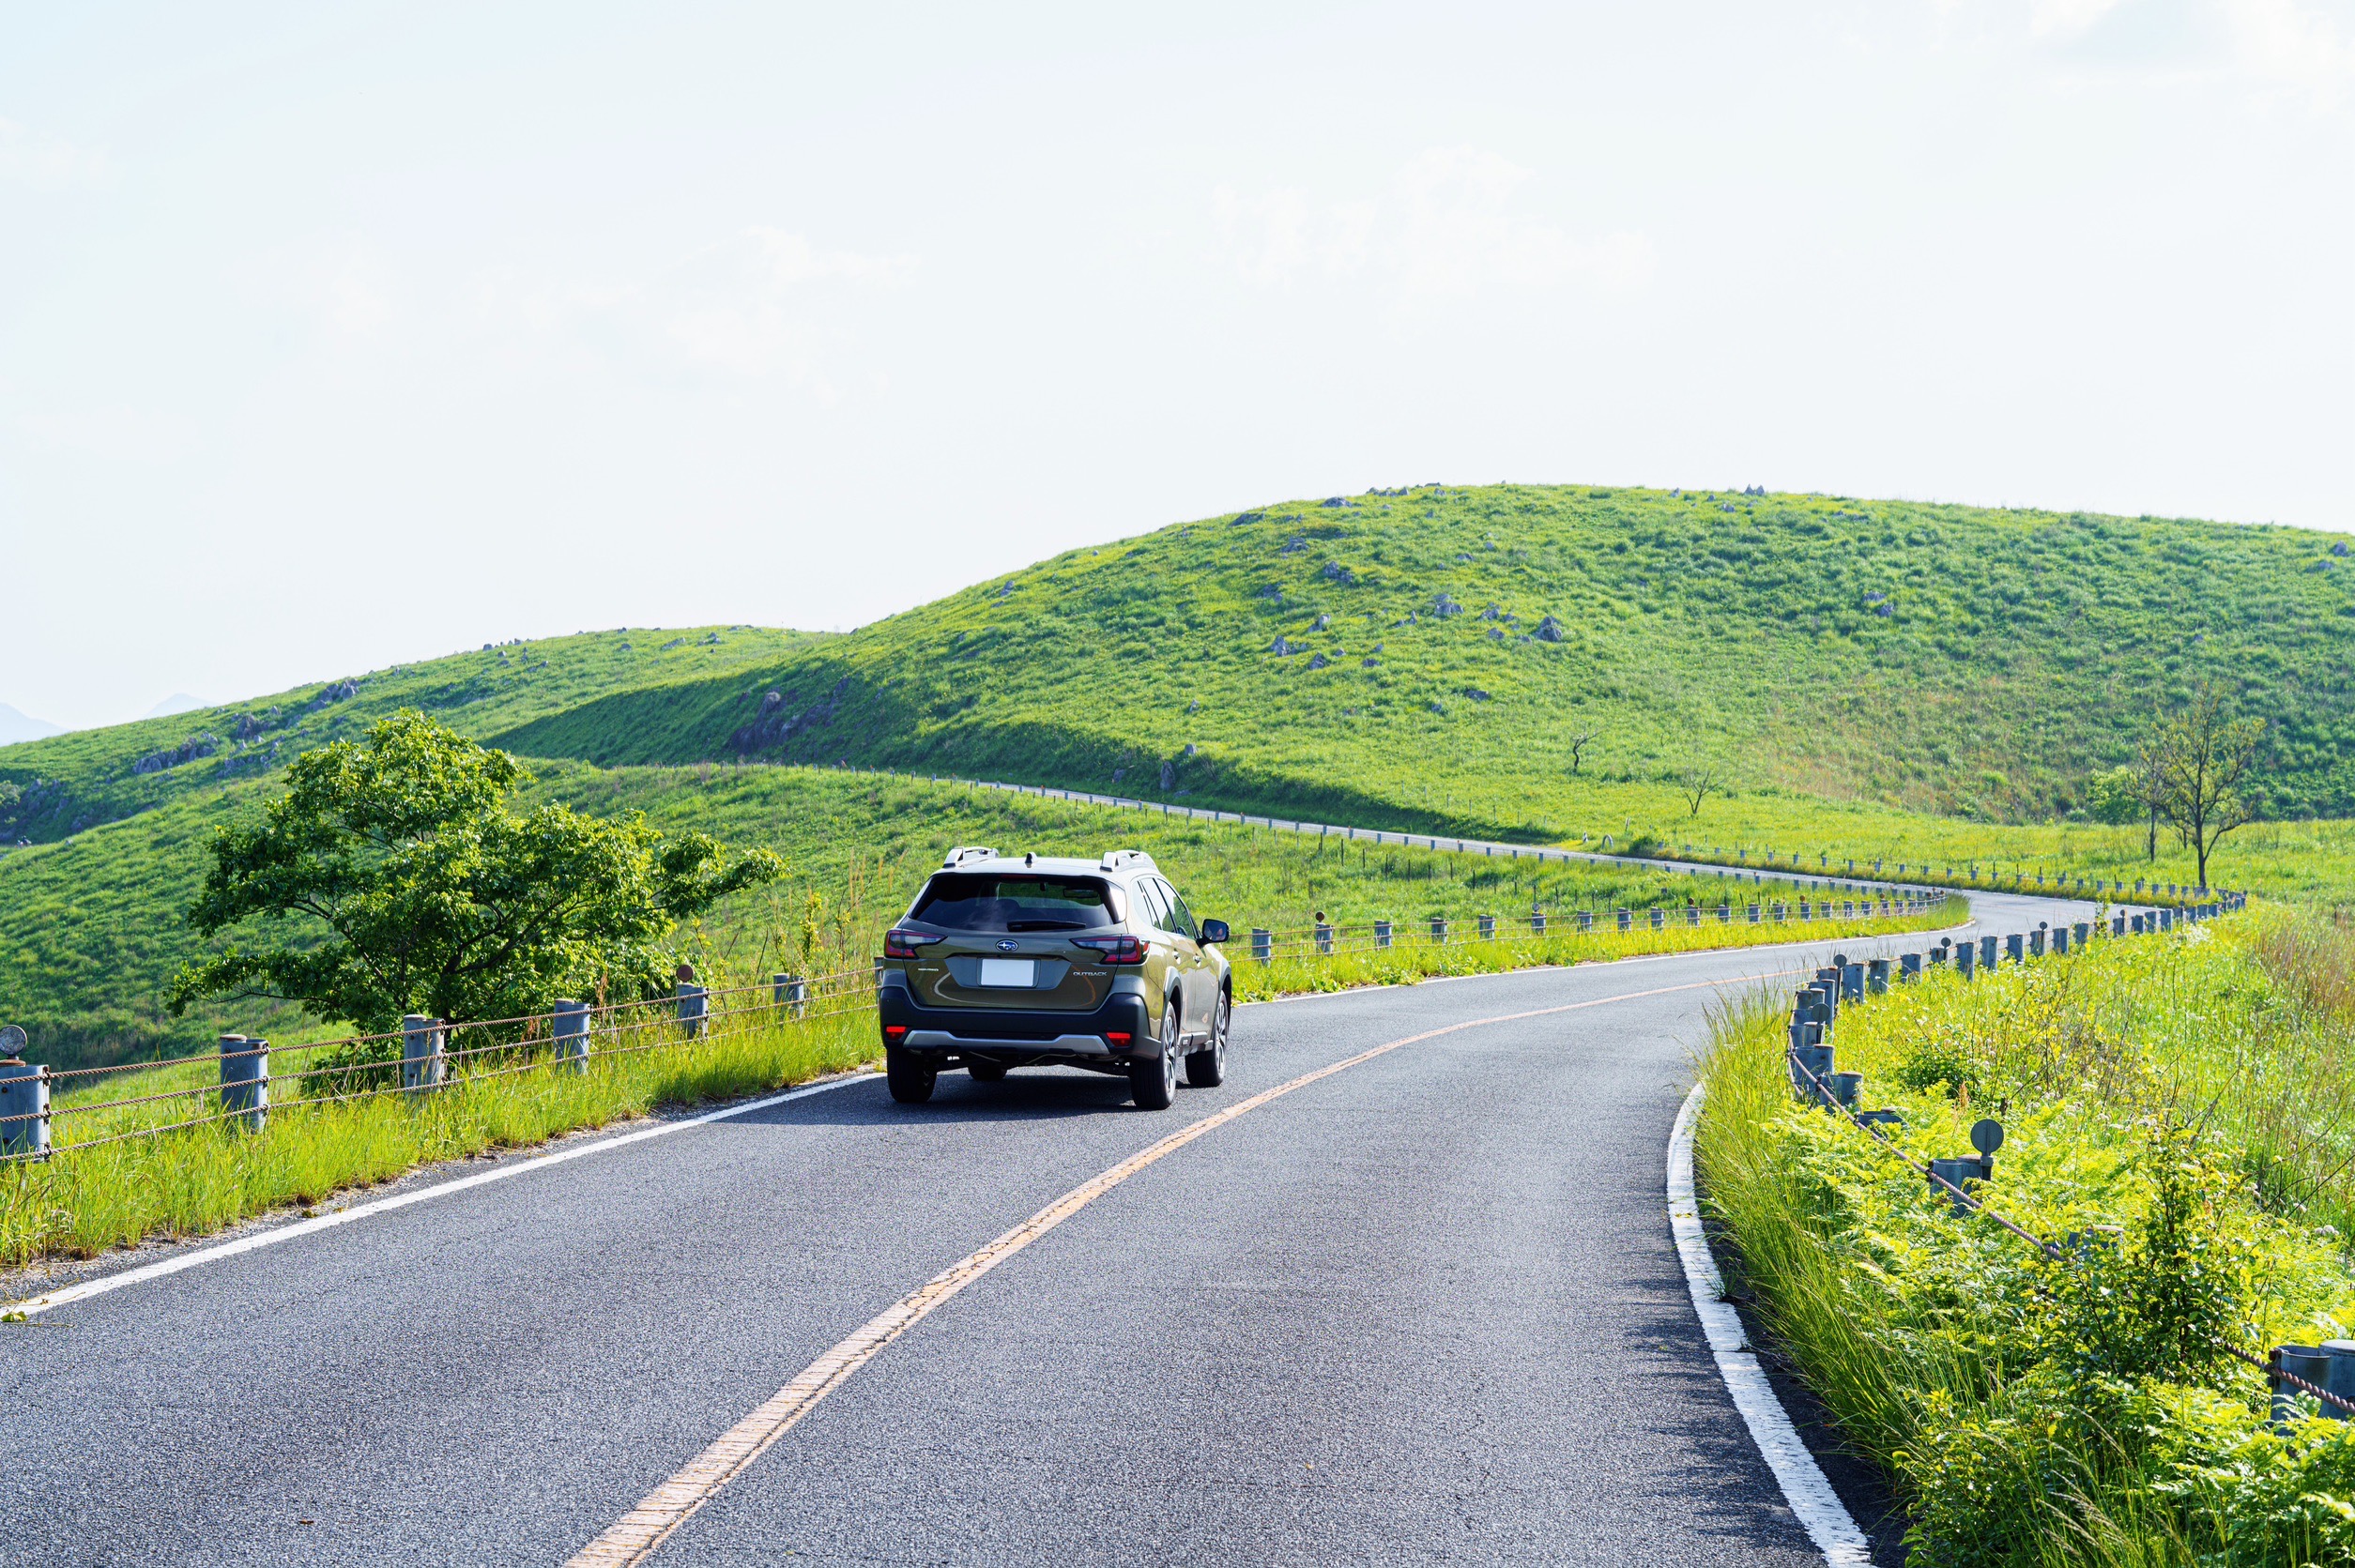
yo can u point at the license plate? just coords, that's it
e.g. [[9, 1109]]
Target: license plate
[[1012, 972]]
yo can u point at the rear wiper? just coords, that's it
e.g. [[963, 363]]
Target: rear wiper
[[1045, 925]]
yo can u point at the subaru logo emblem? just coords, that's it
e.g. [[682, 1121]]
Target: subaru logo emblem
[[1008, 947]]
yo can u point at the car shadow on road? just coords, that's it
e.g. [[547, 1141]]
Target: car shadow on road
[[1039, 1094]]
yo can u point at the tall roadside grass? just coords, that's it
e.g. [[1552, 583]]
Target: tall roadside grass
[[2076, 1409], [195, 1180]]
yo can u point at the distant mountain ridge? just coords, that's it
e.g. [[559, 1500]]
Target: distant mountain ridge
[[16, 727]]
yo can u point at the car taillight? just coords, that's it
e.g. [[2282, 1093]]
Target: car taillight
[[1118, 1039], [1113, 950], [895, 1032], [907, 944]]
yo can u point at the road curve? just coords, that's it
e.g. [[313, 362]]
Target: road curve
[[1425, 1309]]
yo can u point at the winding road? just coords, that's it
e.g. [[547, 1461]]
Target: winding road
[[1424, 1308]]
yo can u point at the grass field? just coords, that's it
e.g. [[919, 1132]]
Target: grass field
[[2177, 1116]]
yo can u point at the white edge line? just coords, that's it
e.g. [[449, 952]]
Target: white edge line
[[1825, 1517], [89, 1288]]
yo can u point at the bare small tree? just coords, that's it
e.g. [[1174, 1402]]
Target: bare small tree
[[2151, 787], [1578, 747], [1698, 782], [2209, 758]]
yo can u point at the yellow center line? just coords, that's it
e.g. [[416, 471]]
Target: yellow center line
[[637, 1534]]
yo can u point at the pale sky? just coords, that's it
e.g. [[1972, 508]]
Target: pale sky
[[334, 336]]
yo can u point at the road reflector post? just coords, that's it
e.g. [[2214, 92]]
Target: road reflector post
[[23, 1098], [571, 1021], [422, 1062], [1876, 977], [1262, 945], [1957, 1172], [1382, 932], [1909, 967], [1488, 928], [694, 1009], [245, 1081], [1813, 1057]]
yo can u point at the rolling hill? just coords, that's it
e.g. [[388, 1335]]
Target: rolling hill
[[1432, 655]]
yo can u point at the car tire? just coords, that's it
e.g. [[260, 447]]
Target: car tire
[[1207, 1068], [985, 1072], [911, 1080], [1154, 1080]]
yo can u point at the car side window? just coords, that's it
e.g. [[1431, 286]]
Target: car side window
[[1181, 918], [1156, 909]]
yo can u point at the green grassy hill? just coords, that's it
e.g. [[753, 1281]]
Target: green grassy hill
[[74, 782], [1429, 655]]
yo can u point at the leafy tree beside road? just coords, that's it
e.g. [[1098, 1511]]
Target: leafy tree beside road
[[394, 878]]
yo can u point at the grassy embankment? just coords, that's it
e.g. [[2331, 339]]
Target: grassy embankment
[[2181, 1115]]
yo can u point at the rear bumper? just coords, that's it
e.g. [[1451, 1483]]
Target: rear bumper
[[1017, 1036]]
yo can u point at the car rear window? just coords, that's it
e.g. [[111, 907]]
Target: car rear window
[[1010, 904]]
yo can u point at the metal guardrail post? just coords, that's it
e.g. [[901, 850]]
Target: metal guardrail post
[[1324, 940], [1439, 929], [1262, 945], [1966, 959], [2014, 948], [1585, 920], [1627, 920], [1537, 923], [1987, 953], [1753, 913], [2081, 932], [1909, 967], [422, 1062], [23, 1099], [1488, 928], [1382, 935], [245, 1080], [1876, 977], [695, 1008], [571, 1021]]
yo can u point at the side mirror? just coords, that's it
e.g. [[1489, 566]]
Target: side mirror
[[1216, 932]]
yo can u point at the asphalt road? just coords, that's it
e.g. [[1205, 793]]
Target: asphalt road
[[1427, 1309]]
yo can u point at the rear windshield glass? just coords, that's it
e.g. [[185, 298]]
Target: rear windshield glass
[[983, 902]]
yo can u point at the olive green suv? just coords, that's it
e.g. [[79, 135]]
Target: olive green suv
[[1006, 962]]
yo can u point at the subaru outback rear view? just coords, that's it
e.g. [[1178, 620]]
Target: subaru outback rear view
[[1006, 962]]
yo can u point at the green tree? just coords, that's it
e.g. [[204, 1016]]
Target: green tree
[[2112, 796], [395, 878], [2209, 757]]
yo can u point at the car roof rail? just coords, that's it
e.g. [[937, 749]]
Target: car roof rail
[[965, 852], [1126, 860]]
